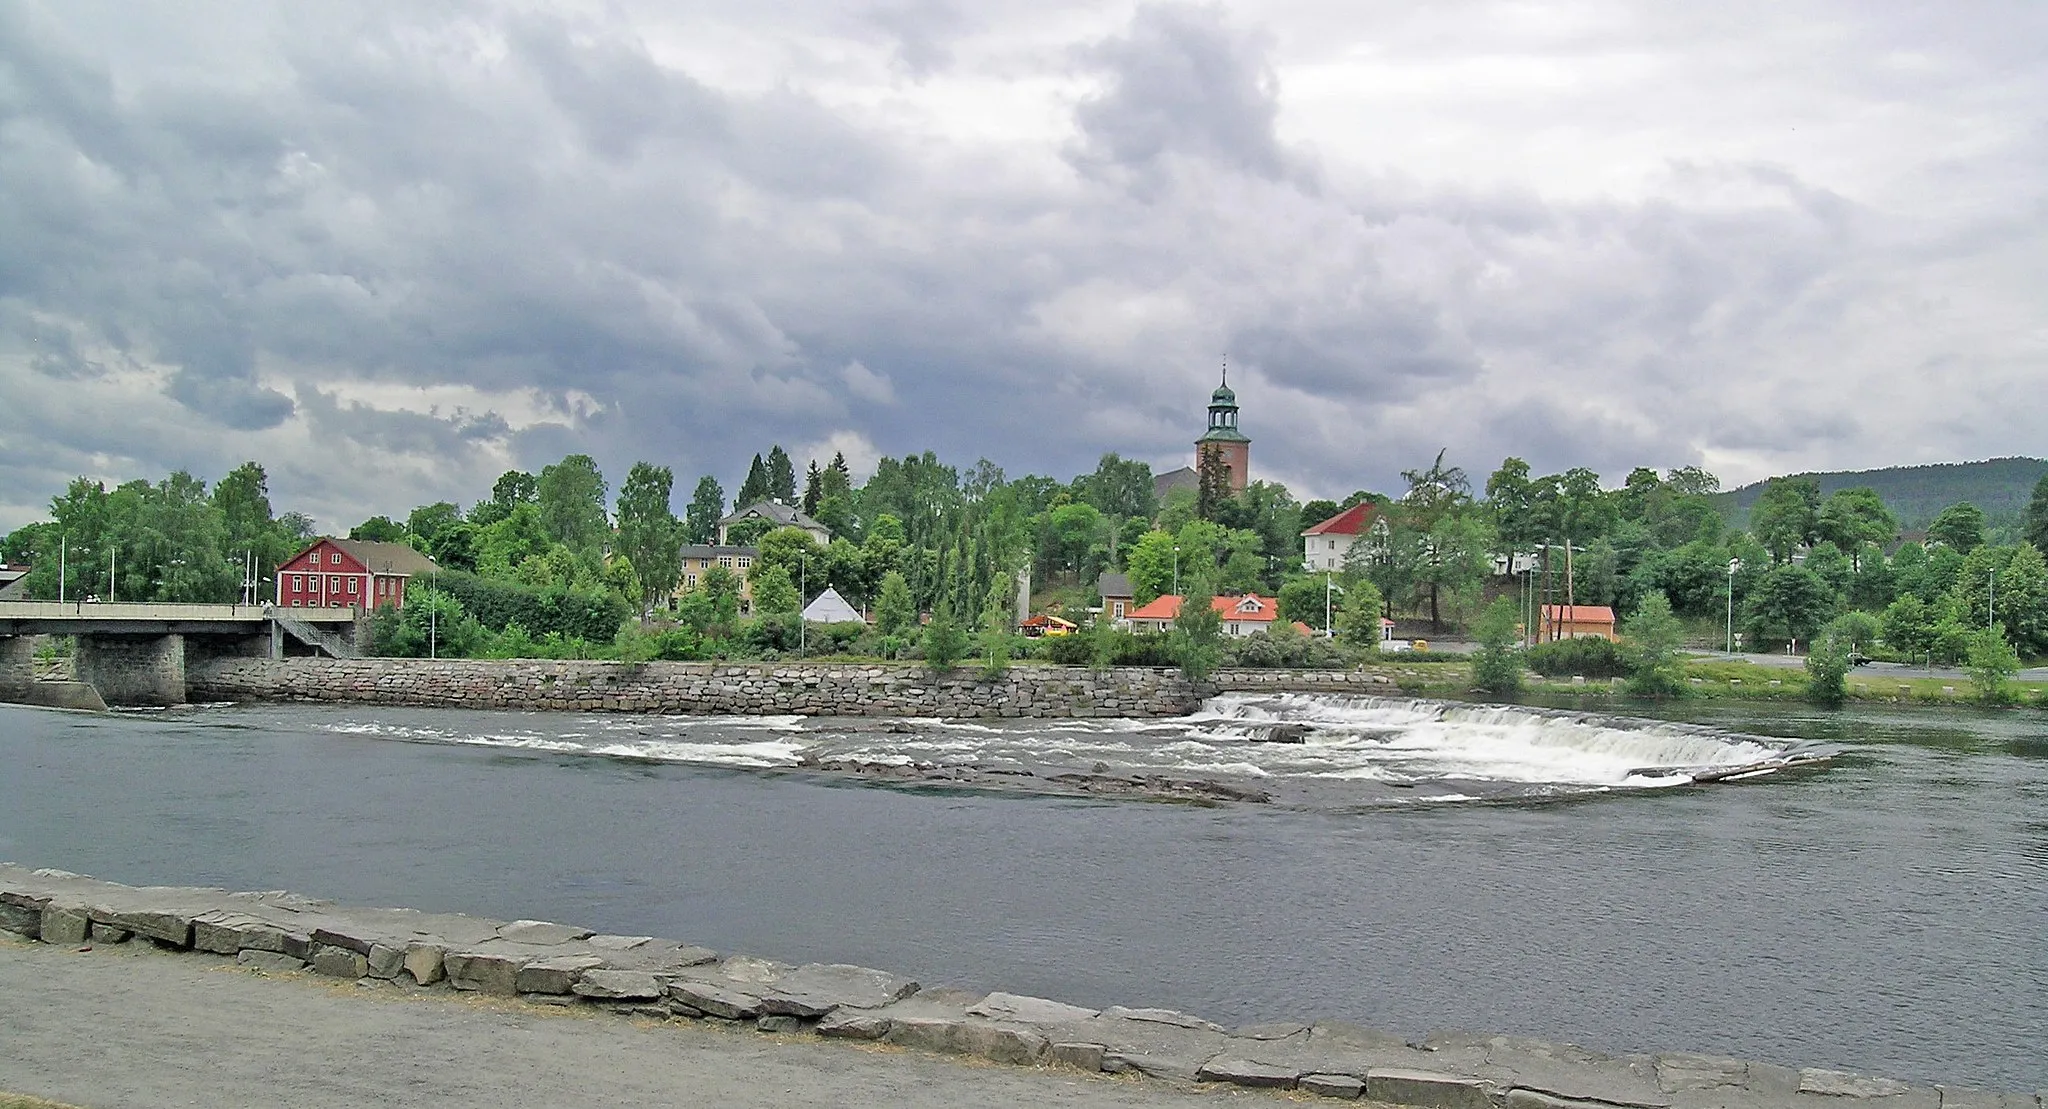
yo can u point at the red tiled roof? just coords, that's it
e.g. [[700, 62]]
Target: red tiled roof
[[1168, 606], [1351, 521]]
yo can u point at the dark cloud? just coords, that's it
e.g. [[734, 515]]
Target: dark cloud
[[392, 248]]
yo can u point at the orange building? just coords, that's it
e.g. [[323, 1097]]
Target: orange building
[[1576, 621]]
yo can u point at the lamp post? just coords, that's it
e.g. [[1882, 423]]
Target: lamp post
[[1329, 586], [1176, 569], [803, 591], [1734, 564], [62, 541]]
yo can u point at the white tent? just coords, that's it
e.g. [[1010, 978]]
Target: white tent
[[831, 608]]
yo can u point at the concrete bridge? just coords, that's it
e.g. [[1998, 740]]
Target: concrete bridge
[[136, 654]]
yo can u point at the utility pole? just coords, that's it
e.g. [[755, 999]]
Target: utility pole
[[433, 620], [1734, 564], [110, 573], [63, 542], [803, 590]]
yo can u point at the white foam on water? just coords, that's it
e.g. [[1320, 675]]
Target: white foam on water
[[1363, 737], [761, 754]]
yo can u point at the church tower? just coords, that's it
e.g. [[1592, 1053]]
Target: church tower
[[1224, 439]]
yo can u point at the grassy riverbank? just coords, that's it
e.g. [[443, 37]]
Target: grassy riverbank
[[1712, 679]]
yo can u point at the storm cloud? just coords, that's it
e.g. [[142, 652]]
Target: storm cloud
[[391, 249]]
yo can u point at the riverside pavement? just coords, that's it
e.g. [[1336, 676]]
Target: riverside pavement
[[80, 1026]]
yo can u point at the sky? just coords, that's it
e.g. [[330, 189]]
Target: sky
[[391, 248]]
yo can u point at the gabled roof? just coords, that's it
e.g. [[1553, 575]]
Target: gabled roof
[[382, 558], [1248, 609], [784, 515], [1114, 585], [1352, 521]]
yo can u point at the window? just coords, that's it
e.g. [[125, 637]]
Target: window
[[352, 583], [334, 583], [691, 580], [745, 562], [725, 561], [334, 559], [298, 602], [1119, 607]]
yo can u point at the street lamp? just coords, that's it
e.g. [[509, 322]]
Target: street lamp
[[803, 592], [1734, 564], [1176, 569], [1329, 586]]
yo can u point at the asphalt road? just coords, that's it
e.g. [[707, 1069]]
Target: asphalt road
[[132, 1028]]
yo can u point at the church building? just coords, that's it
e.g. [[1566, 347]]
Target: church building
[[1222, 437]]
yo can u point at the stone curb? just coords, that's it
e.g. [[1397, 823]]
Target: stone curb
[[552, 964]]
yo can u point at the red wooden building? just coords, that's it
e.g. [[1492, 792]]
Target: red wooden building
[[349, 573]]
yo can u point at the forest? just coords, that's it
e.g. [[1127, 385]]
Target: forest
[[558, 564]]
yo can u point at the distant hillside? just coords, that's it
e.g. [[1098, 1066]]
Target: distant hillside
[[1916, 494]]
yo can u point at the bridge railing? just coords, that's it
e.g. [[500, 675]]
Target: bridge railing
[[93, 610]]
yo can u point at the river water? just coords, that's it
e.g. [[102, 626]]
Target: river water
[[1413, 866]]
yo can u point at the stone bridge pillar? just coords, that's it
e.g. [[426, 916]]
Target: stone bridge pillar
[[17, 666], [134, 669]]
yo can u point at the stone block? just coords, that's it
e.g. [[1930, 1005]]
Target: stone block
[[423, 962], [1519, 1098], [1683, 1071], [1179, 1068], [816, 989], [715, 1000], [169, 927], [65, 925], [1965, 1097], [1861, 1087], [385, 961], [785, 1025], [1087, 1057], [339, 962], [1332, 1085], [22, 915], [1269, 1032], [270, 961], [1028, 1010], [1016, 1045], [1248, 1072], [1163, 1016], [484, 971], [1401, 1086], [558, 974], [854, 1024], [541, 932], [618, 985], [103, 932]]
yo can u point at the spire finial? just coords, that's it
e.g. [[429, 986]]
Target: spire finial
[[1226, 370]]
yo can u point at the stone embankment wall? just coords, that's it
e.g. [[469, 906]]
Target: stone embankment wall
[[811, 689], [647, 978]]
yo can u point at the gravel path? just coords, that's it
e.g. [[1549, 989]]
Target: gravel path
[[130, 1027]]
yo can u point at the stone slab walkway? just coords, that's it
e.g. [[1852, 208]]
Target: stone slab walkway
[[542, 967]]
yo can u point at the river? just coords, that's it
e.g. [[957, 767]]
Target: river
[[1414, 866]]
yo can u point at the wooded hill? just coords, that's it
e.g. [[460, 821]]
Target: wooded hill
[[1917, 494]]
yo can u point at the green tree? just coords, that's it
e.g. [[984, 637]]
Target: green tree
[[1650, 641], [1150, 565], [1790, 603], [1497, 664], [378, 529], [1454, 563], [2035, 524], [1511, 499], [649, 534], [781, 475], [1853, 517], [814, 489], [707, 506], [1198, 632], [758, 486], [512, 489], [995, 629], [797, 552], [1786, 516], [1992, 662], [1119, 489], [1827, 666], [774, 593], [895, 613], [1302, 598], [1960, 528], [944, 643], [1358, 622], [1212, 488], [1908, 627], [571, 497], [508, 543]]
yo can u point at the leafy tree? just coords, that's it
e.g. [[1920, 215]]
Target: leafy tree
[[378, 529], [1853, 517], [944, 643], [758, 486], [1859, 631], [454, 547], [814, 489], [774, 593], [1497, 664], [1511, 498], [995, 630], [707, 506], [1960, 528], [895, 614], [2017, 597], [1302, 598], [1827, 667], [571, 497], [512, 489], [1150, 565], [1786, 516], [1198, 632], [1908, 627], [649, 533], [781, 475], [1358, 622], [796, 552], [1454, 563], [1120, 489], [1791, 603], [520, 535], [428, 521], [1212, 488], [1650, 641], [432, 623], [1832, 566], [1992, 662], [2035, 523], [748, 532]]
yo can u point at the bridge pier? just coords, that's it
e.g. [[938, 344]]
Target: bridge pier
[[134, 669], [17, 667]]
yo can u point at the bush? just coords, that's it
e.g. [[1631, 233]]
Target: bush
[[943, 644], [1066, 650], [1650, 646], [497, 604], [1992, 662], [1288, 649], [1497, 665], [1585, 657], [1827, 664]]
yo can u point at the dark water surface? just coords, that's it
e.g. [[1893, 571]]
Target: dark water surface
[[1886, 914]]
